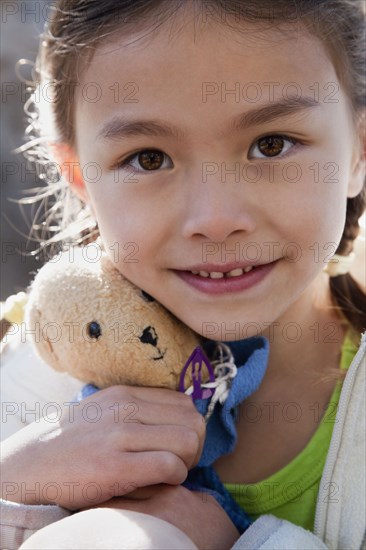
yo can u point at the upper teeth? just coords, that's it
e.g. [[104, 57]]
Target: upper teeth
[[219, 275]]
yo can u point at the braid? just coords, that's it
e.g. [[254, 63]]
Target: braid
[[346, 293], [355, 208]]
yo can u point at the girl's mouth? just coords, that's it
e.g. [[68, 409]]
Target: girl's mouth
[[219, 281]]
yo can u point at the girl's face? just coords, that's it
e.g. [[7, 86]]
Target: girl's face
[[213, 153]]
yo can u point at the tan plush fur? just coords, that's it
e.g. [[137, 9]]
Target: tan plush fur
[[140, 342]]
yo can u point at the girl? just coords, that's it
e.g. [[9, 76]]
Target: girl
[[223, 140]]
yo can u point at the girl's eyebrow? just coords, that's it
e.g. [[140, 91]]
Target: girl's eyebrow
[[286, 106], [118, 127]]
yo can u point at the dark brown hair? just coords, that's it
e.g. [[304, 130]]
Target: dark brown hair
[[79, 26]]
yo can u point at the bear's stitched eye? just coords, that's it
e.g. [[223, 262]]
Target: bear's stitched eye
[[147, 296], [94, 330]]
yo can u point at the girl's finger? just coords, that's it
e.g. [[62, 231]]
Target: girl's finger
[[153, 467], [182, 441]]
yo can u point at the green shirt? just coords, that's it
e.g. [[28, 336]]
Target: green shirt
[[291, 493]]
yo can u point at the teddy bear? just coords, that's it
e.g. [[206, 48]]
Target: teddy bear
[[87, 319], [99, 327]]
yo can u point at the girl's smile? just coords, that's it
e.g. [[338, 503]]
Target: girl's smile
[[219, 279]]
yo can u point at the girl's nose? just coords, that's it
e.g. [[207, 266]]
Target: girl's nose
[[216, 210]]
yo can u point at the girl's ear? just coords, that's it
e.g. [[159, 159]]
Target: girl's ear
[[358, 170], [70, 168]]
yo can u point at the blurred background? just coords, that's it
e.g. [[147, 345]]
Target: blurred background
[[21, 24]]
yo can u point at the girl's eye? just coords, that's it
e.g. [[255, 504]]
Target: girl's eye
[[271, 146], [148, 160]]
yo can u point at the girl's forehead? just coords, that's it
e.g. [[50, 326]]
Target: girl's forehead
[[215, 52], [168, 74], [192, 36]]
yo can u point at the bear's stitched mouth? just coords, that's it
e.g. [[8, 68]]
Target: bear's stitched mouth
[[161, 355]]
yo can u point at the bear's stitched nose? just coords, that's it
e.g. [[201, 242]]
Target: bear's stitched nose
[[149, 336]]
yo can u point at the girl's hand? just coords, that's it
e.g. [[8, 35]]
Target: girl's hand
[[197, 514], [113, 442]]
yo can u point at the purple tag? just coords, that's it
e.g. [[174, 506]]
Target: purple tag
[[195, 361]]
